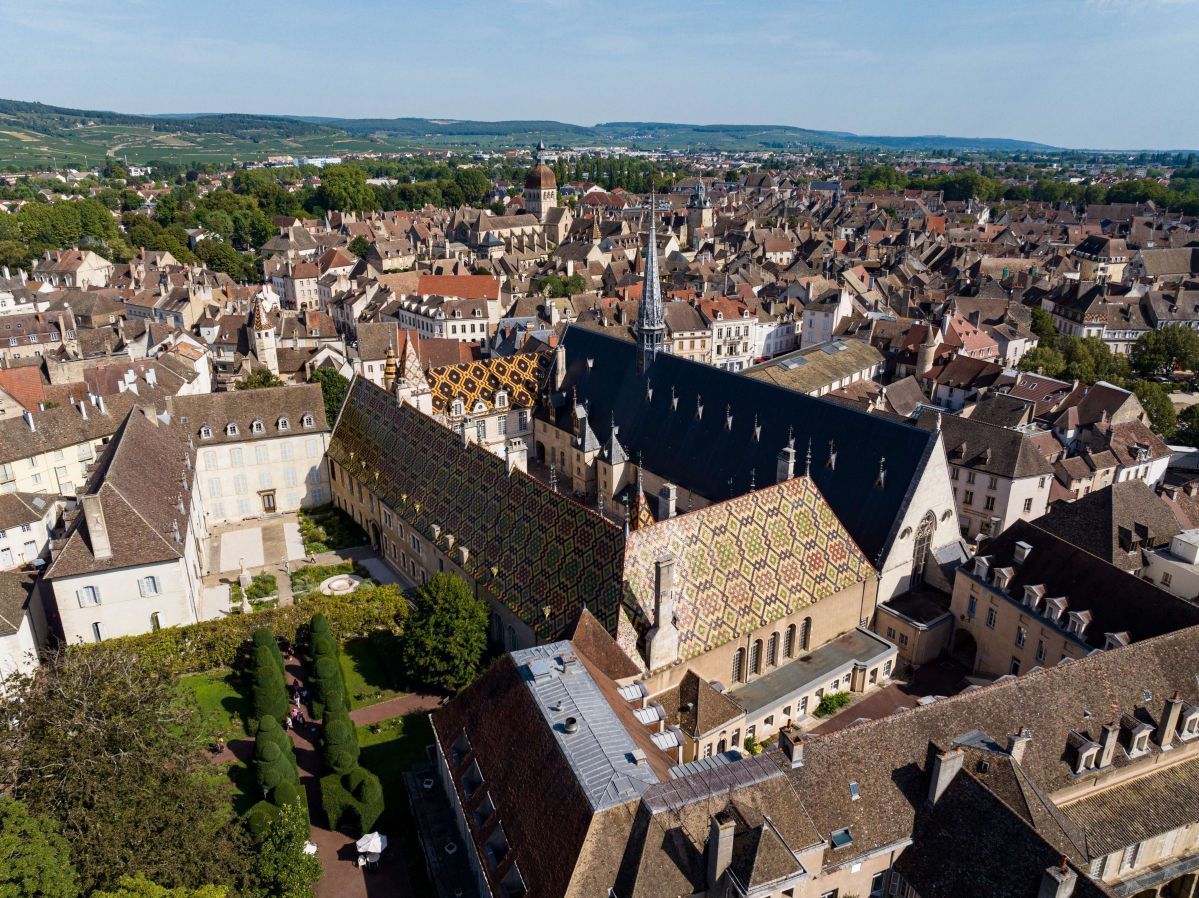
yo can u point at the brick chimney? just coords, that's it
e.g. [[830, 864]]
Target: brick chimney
[[1057, 881]]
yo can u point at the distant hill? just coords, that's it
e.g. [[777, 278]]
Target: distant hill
[[36, 134]]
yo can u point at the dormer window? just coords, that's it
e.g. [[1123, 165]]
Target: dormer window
[[501, 399], [473, 779], [1056, 608], [284, 424], [457, 408], [982, 565], [1188, 722], [205, 432], [307, 420], [1033, 596], [1116, 640], [256, 427], [1086, 752], [231, 429], [1134, 733], [1003, 576], [1077, 622]]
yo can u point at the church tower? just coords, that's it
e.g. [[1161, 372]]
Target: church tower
[[651, 317], [541, 187], [700, 215], [265, 349]]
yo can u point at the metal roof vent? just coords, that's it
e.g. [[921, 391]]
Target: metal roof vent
[[570, 725]]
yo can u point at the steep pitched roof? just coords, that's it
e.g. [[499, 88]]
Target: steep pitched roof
[[700, 452], [532, 548], [521, 376], [1107, 522]]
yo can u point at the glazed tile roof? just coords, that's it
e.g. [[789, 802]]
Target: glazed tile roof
[[744, 563], [534, 550], [520, 375]]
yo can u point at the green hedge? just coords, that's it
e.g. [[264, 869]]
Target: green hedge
[[832, 702], [354, 802], [223, 642]]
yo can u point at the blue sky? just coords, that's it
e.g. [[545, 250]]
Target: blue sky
[[1090, 73]]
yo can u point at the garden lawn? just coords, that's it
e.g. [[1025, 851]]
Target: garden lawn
[[366, 675], [399, 744], [327, 528], [222, 706]]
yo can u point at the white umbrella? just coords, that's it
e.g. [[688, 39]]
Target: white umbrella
[[371, 843]]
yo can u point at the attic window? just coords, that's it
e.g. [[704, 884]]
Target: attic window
[[854, 792], [284, 424], [256, 426], [1086, 752], [841, 838], [307, 420], [206, 432], [501, 399], [231, 429], [1188, 722], [457, 408]]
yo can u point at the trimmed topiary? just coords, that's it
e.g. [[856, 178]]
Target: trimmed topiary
[[268, 691], [327, 685], [260, 817], [339, 742], [354, 802], [288, 793], [263, 636]]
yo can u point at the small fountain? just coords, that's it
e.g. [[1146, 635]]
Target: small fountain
[[340, 584]]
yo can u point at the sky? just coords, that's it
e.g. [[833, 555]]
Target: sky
[[1079, 73]]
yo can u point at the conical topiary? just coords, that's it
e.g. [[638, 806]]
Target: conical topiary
[[263, 636], [268, 692]]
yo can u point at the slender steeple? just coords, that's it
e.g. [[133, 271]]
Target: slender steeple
[[651, 317]]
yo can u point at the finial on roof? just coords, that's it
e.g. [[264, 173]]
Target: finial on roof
[[790, 436], [753, 479], [807, 468]]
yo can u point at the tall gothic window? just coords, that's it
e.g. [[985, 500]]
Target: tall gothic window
[[924, 538], [738, 665], [789, 642], [805, 634], [755, 657], [772, 650]]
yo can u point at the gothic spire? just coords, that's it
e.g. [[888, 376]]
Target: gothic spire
[[651, 317]]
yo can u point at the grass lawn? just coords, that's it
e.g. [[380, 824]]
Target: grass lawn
[[399, 744], [222, 707], [366, 675]]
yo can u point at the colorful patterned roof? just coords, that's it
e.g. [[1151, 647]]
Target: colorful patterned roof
[[744, 563], [540, 554], [520, 375]]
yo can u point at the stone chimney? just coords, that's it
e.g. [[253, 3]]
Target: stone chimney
[[945, 767], [791, 742], [1018, 744], [516, 455], [1058, 881], [1109, 738], [668, 500], [559, 365], [1167, 727], [97, 529], [786, 465], [662, 641], [720, 848]]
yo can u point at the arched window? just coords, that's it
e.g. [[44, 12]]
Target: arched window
[[206, 432], [307, 420], [805, 634], [231, 429], [739, 665], [924, 538], [256, 426], [284, 424], [789, 642], [755, 657], [772, 650]]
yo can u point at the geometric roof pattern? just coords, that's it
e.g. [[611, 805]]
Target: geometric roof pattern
[[744, 563], [540, 554], [717, 433], [520, 375]]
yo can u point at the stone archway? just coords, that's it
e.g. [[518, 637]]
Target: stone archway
[[964, 649], [376, 536]]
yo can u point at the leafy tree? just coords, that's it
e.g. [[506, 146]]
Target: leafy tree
[[258, 379], [473, 183], [1161, 351], [334, 387], [1045, 359], [1156, 400], [101, 743], [1187, 432], [344, 187], [281, 868], [34, 857], [360, 246], [140, 887], [1043, 327], [446, 635]]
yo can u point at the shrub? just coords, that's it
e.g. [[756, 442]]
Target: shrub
[[288, 793], [261, 586], [268, 691], [263, 636], [752, 746], [222, 642], [274, 758], [832, 702], [339, 743], [354, 802], [328, 527], [328, 688], [259, 818]]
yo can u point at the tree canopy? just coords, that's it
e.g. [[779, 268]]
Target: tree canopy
[[102, 744], [1161, 351], [1163, 420], [35, 860], [445, 637], [334, 387], [259, 379]]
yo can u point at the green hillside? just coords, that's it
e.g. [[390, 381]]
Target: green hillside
[[37, 135]]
